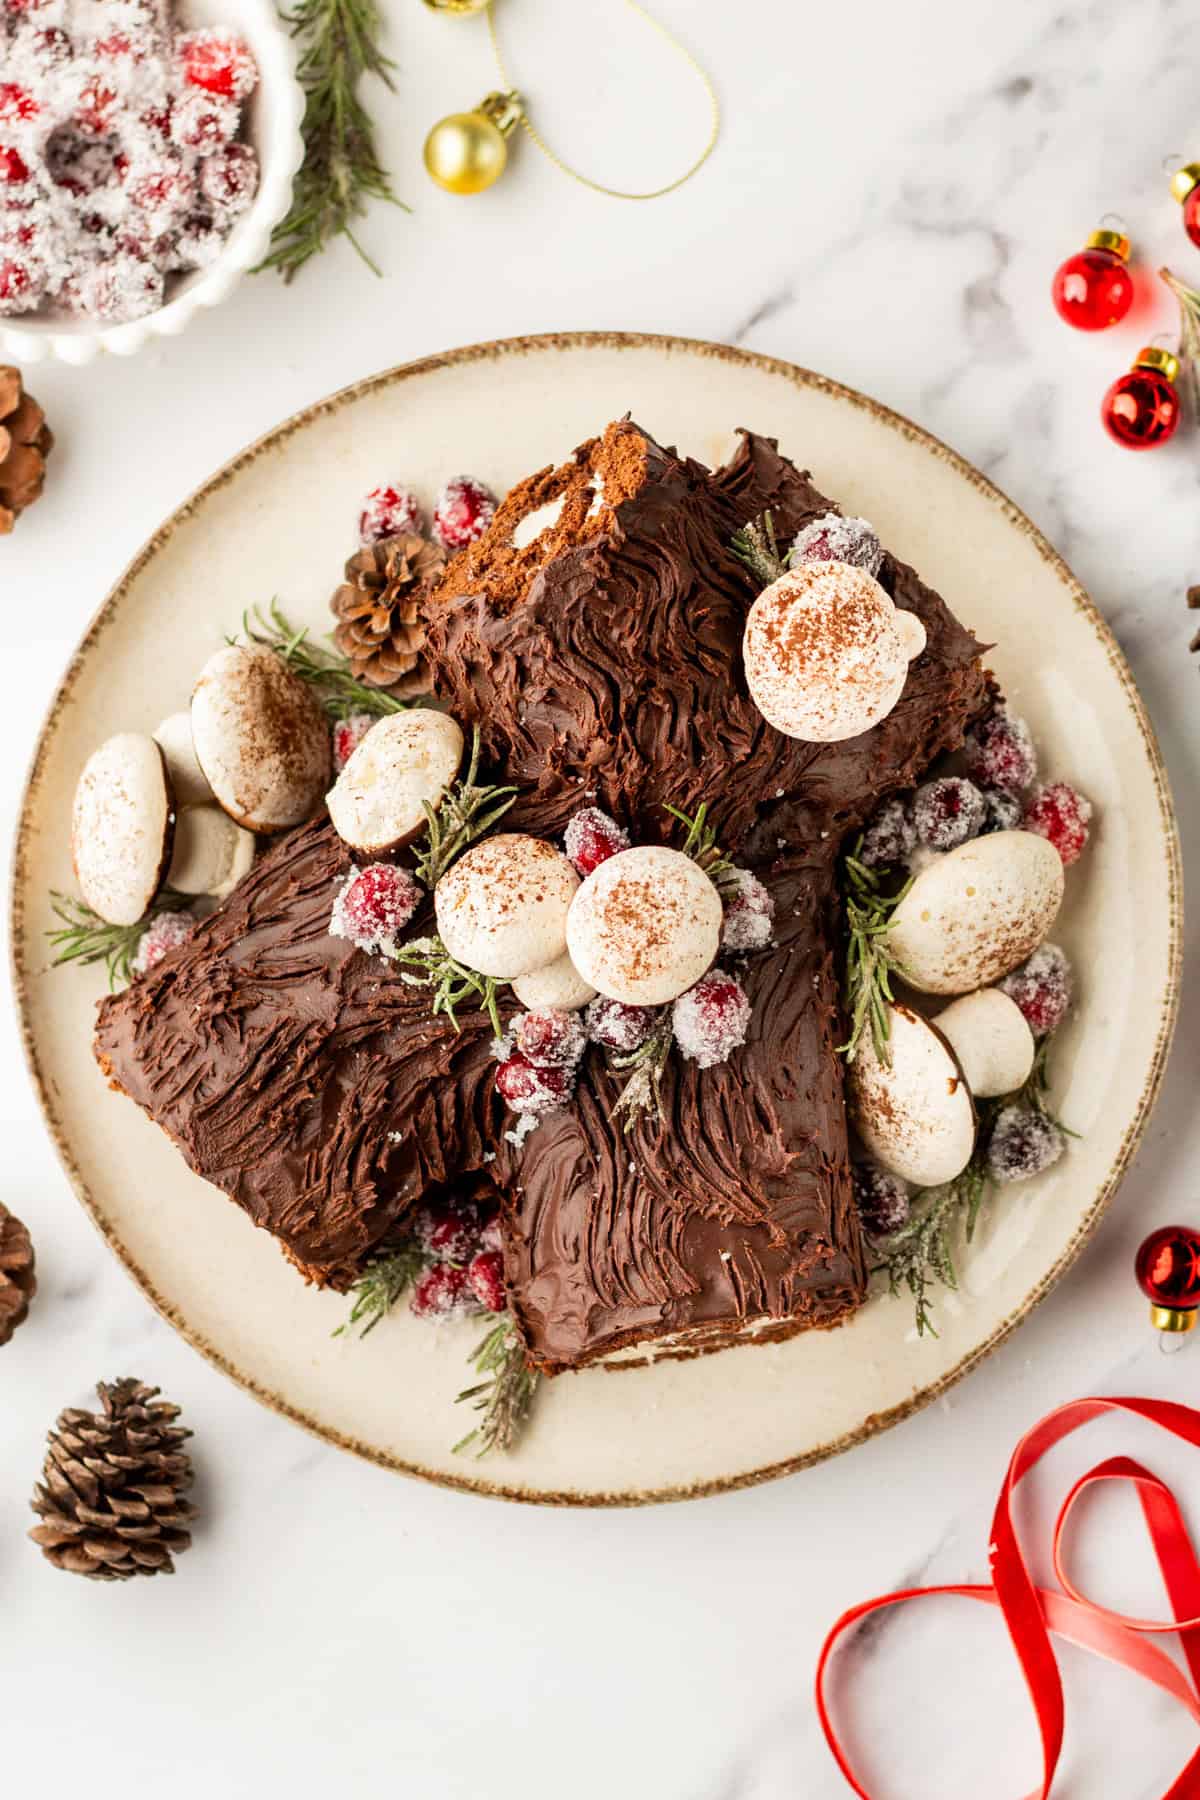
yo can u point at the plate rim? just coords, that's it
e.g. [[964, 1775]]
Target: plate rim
[[492, 350]]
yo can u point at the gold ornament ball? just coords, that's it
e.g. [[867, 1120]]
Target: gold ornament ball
[[465, 153]]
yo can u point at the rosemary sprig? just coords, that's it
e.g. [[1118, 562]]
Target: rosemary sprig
[[84, 937], [380, 1286], [465, 812], [755, 545], [1189, 334], [642, 1092], [702, 846], [452, 982], [870, 964], [327, 673], [505, 1396], [341, 171]]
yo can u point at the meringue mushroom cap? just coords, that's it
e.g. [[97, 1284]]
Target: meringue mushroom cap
[[211, 853], [977, 913], [405, 760], [990, 1036], [188, 780], [260, 738], [826, 652], [913, 1114], [559, 986], [645, 925], [122, 827], [502, 907]]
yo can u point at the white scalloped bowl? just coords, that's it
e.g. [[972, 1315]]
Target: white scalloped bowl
[[273, 117]]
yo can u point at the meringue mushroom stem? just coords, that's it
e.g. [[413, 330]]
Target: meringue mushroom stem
[[870, 964], [327, 673], [464, 812], [84, 937], [452, 982], [755, 545]]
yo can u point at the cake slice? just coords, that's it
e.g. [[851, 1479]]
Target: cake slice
[[594, 637]]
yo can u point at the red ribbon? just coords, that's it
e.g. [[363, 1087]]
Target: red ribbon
[[1032, 1614]]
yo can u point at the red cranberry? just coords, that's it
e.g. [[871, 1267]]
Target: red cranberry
[[831, 538], [948, 812], [375, 904], [217, 62], [486, 1275], [890, 838], [14, 170], [749, 915], [1023, 1144], [528, 1089], [17, 102], [165, 932], [551, 1039], [348, 734], [882, 1200], [616, 1026], [451, 1233], [229, 179], [201, 121], [1041, 988], [464, 510], [1061, 814], [386, 512], [592, 837], [1000, 752], [710, 1020], [441, 1291], [94, 112], [19, 287]]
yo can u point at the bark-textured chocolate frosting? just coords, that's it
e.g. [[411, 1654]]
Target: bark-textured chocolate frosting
[[602, 664]]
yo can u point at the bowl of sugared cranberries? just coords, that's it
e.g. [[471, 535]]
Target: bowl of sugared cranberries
[[147, 152]]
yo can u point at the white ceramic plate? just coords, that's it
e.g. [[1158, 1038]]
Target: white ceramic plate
[[278, 521]]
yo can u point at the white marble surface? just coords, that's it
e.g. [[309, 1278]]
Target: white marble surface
[[890, 196]]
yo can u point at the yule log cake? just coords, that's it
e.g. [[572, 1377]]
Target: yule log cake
[[594, 637]]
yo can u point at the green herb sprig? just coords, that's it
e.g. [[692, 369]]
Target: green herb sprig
[[505, 1395], [84, 937], [327, 673], [642, 1092], [426, 962], [756, 546], [465, 812], [381, 1284], [870, 965], [341, 172], [705, 851]]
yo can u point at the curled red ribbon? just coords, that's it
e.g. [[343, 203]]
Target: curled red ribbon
[[1033, 1614]]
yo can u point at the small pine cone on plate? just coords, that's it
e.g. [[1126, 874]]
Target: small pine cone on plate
[[111, 1496], [379, 612], [18, 1283], [25, 442]]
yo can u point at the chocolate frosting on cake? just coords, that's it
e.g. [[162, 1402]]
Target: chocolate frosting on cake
[[602, 664]]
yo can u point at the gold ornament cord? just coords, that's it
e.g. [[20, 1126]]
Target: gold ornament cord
[[598, 187]]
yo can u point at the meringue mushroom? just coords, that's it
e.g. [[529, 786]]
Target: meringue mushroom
[[913, 1114], [645, 925], [377, 803], [991, 1038], [260, 738], [826, 652], [188, 780], [559, 986], [211, 853], [122, 827], [502, 907], [977, 912]]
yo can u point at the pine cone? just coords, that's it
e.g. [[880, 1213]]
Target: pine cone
[[111, 1500], [379, 609], [25, 443], [18, 1283]]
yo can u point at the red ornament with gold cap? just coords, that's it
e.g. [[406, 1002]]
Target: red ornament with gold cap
[[1141, 408], [1093, 289], [1168, 1273], [1185, 185]]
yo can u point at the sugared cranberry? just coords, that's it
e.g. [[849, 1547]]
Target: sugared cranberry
[[164, 194], [19, 285], [710, 1020], [948, 812], [374, 905], [201, 121], [95, 108], [831, 538], [165, 932], [157, 121], [14, 170], [17, 103], [218, 62], [1023, 1144], [616, 1026], [464, 510], [749, 915], [441, 1291], [1004, 811], [50, 49], [1000, 753], [882, 1200], [124, 286], [529, 1089], [486, 1275], [229, 180], [551, 1039], [890, 838], [386, 512], [450, 1232], [120, 46], [592, 837], [1061, 814], [1041, 988], [348, 734]]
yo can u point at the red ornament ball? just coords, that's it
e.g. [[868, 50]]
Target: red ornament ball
[[1185, 185], [1168, 1268], [1191, 216], [1141, 409], [1093, 289]]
